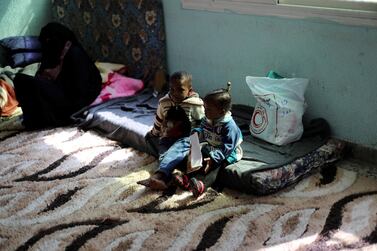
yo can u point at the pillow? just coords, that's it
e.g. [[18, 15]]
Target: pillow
[[117, 86], [3, 56], [21, 50], [25, 58], [106, 67], [21, 43]]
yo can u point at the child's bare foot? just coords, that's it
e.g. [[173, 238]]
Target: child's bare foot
[[144, 182], [155, 182]]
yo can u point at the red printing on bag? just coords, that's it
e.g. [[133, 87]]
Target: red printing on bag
[[259, 120]]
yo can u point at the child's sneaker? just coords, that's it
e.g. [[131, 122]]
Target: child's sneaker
[[196, 187], [182, 181]]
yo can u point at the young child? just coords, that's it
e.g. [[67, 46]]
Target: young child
[[223, 138], [177, 112]]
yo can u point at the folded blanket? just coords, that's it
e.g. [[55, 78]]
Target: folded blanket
[[117, 86], [10, 112], [8, 73], [8, 101]]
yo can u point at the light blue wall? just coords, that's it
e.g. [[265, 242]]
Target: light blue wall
[[339, 60], [23, 17]]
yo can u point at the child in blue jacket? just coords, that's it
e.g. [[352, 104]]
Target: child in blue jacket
[[223, 147]]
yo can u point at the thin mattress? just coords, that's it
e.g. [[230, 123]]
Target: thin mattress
[[265, 168]]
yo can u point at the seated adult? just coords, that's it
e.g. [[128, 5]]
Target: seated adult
[[66, 81]]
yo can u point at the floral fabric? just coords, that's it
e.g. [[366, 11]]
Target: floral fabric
[[270, 181], [8, 102], [129, 32]]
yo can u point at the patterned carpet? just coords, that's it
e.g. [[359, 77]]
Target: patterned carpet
[[64, 189]]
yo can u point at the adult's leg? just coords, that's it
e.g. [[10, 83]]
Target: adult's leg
[[38, 112]]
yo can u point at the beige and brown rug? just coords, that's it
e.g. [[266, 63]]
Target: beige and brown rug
[[65, 189]]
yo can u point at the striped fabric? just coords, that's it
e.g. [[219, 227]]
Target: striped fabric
[[193, 106]]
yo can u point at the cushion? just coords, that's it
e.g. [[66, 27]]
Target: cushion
[[106, 67], [21, 50], [3, 56], [118, 86], [21, 43], [25, 58], [245, 176], [124, 32]]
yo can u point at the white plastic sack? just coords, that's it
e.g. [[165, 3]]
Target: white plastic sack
[[277, 116]]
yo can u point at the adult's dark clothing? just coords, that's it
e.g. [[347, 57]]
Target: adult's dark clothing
[[49, 102]]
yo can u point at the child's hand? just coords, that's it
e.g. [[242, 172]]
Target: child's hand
[[207, 164], [148, 135]]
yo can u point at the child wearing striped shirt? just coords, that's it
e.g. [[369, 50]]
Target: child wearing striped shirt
[[177, 112]]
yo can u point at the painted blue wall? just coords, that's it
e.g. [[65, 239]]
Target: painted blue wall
[[23, 17], [339, 60]]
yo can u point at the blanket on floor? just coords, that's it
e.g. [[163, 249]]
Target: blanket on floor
[[65, 189]]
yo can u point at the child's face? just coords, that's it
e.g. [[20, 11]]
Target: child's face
[[212, 110], [179, 91]]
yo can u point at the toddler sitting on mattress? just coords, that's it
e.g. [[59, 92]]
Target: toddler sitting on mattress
[[177, 112]]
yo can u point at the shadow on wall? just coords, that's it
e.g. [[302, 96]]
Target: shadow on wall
[[23, 17]]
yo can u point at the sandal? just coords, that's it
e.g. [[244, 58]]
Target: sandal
[[182, 181], [196, 187]]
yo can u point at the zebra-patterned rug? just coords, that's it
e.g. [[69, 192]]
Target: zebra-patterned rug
[[64, 189]]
